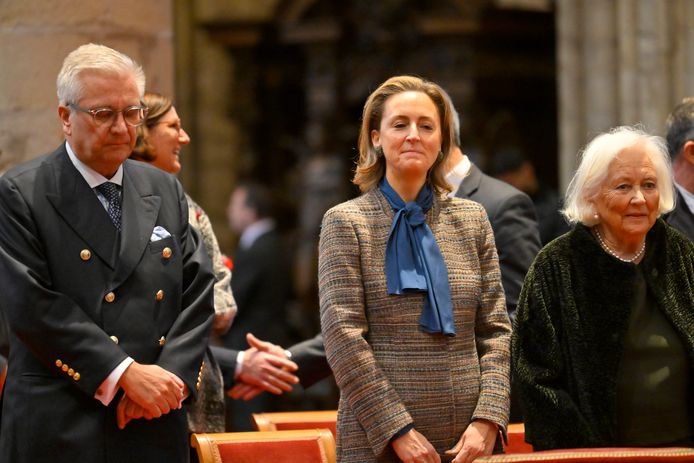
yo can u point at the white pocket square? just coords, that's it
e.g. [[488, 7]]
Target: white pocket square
[[159, 233]]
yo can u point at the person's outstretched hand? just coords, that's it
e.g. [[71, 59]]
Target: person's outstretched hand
[[265, 368]]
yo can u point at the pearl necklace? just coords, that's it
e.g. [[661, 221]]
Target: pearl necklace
[[614, 254]]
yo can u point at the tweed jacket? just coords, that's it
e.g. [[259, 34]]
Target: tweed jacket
[[223, 298], [569, 329], [390, 372]]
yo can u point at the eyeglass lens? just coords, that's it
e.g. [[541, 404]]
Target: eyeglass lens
[[132, 116]]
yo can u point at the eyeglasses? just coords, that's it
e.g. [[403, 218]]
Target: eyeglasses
[[133, 115]]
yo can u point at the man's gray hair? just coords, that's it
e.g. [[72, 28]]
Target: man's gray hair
[[592, 172], [455, 118], [94, 57], [680, 126]]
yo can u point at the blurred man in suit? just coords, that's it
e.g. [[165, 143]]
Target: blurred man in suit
[[512, 167], [261, 285], [106, 289], [680, 143], [511, 214]]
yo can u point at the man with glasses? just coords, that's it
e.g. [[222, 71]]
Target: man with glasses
[[106, 290]]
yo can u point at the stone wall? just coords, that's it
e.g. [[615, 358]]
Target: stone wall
[[35, 37], [620, 62]]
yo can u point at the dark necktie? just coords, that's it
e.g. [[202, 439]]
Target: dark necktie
[[111, 192]]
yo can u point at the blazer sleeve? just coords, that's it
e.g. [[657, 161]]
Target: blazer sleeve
[[363, 385], [517, 237], [188, 337], [492, 335], [226, 358], [538, 365], [53, 327], [310, 356]]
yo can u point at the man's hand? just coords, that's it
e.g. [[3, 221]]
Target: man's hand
[[265, 346], [154, 389], [265, 368], [128, 410], [413, 447], [477, 440], [244, 391]]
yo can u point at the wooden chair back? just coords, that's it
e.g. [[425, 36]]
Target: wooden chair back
[[296, 446], [295, 420]]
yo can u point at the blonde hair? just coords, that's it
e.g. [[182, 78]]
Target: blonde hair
[[371, 166], [595, 161], [94, 57]]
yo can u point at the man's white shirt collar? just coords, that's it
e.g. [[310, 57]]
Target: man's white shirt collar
[[456, 175], [93, 178]]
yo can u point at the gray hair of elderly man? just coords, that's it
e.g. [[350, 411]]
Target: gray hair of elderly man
[[455, 117], [680, 126], [94, 57], [593, 168]]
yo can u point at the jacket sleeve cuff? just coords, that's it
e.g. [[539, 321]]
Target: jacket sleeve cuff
[[402, 432], [107, 390]]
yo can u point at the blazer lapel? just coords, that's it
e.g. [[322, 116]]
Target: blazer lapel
[[681, 216], [470, 184], [140, 211], [81, 209]]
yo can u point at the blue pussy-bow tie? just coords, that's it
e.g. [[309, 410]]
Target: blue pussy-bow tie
[[414, 262]]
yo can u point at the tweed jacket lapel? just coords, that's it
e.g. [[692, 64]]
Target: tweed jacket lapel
[[140, 211], [80, 208]]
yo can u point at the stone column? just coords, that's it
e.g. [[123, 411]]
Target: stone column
[[35, 37], [620, 62]]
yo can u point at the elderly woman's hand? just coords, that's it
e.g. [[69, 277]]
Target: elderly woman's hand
[[477, 441], [412, 447]]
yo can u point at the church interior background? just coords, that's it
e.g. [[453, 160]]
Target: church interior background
[[272, 90]]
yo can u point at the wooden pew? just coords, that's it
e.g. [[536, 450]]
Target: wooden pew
[[296, 446]]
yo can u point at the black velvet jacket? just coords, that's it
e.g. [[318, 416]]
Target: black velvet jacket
[[568, 337]]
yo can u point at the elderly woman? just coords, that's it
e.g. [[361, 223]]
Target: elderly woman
[[159, 143], [412, 307], [603, 344]]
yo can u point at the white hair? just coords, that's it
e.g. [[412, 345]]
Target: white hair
[[94, 57], [595, 161]]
